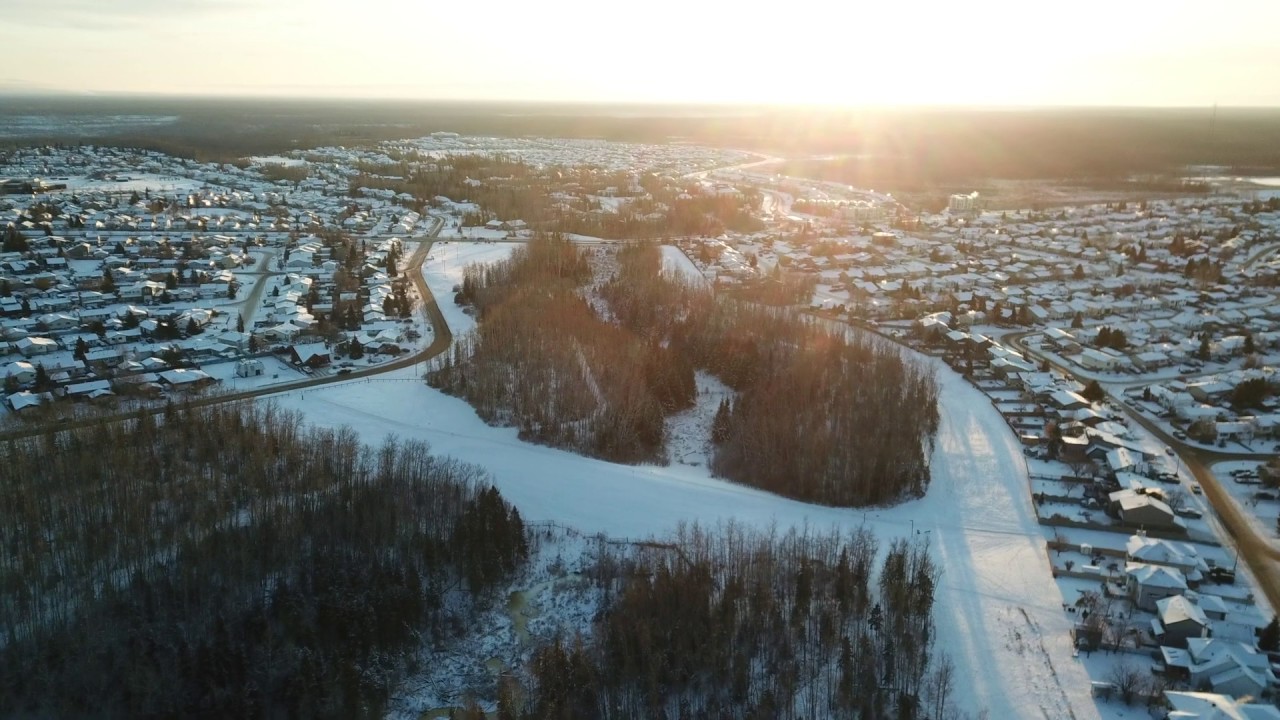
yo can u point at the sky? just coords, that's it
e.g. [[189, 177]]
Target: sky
[[845, 53]]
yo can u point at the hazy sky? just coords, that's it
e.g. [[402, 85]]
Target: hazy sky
[[847, 52]]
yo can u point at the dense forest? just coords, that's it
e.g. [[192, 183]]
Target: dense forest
[[228, 562], [742, 625], [543, 360], [887, 149], [597, 369]]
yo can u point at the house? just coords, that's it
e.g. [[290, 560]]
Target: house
[[310, 354], [1171, 553], [1178, 620], [185, 378], [1067, 400], [23, 400], [59, 321], [31, 346], [250, 368], [89, 389], [1216, 706], [1094, 359], [21, 371], [1143, 510], [1148, 584], [1223, 666], [284, 332]]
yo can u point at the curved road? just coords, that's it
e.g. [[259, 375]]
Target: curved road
[[1256, 551]]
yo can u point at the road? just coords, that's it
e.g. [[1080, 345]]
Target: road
[[442, 337], [1256, 551], [763, 160]]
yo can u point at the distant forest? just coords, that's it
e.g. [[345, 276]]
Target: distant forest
[[902, 149], [822, 413], [228, 562]]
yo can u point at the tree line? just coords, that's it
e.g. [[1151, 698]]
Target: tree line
[[229, 562]]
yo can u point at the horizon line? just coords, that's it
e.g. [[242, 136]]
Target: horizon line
[[35, 94]]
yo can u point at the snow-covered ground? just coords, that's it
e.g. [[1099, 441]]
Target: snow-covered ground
[[677, 264], [1261, 511], [998, 613], [138, 182]]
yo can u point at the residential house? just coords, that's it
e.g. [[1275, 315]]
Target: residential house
[[21, 371], [1221, 666], [1215, 706], [32, 346], [1178, 620], [1143, 510], [186, 378], [1148, 584], [311, 355], [1171, 553]]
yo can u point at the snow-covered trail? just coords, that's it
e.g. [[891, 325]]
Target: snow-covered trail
[[998, 610]]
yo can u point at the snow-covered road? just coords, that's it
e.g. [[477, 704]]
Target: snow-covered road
[[998, 610]]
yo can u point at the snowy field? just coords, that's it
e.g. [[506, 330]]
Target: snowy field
[[1256, 503], [677, 264], [277, 160], [136, 182], [999, 615]]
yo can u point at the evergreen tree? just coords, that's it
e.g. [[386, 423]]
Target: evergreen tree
[[1203, 352], [42, 381], [1269, 639]]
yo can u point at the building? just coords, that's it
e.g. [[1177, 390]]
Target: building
[[1223, 666], [1149, 584], [311, 355], [250, 367], [1216, 706], [1178, 620], [964, 203]]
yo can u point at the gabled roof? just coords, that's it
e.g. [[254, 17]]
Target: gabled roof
[[1157, 576], [308, 351], [1178, 609]]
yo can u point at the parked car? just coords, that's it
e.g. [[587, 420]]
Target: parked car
[[1195, 488], [1179, 434], [1189, 512], [1222, 576]]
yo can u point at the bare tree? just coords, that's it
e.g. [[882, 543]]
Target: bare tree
[[1082, 467], [1128, 679], [939, 684]]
